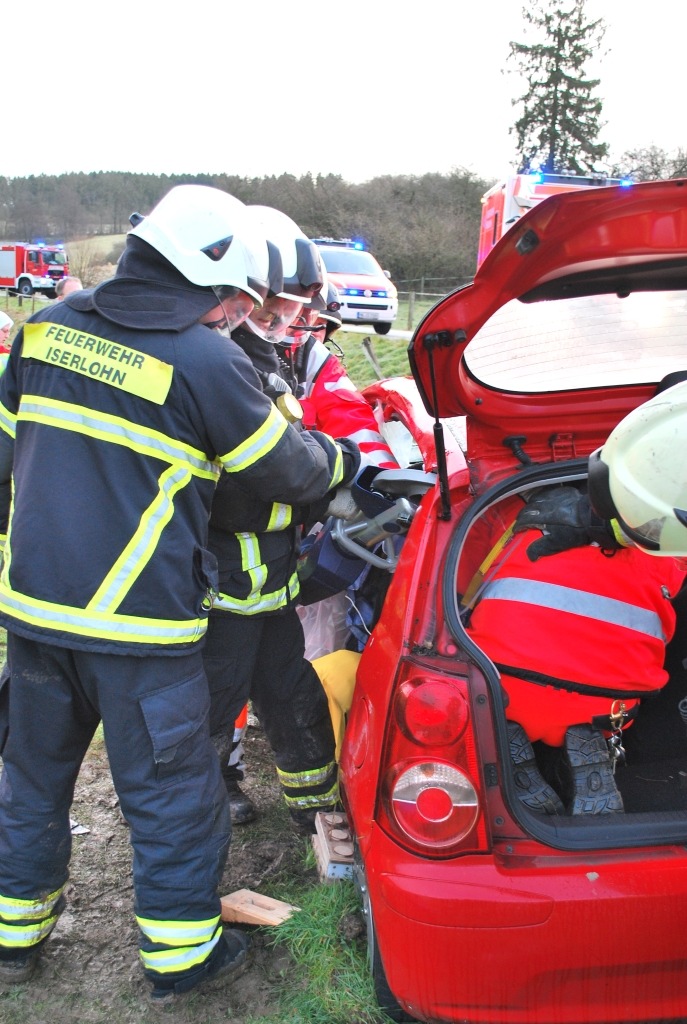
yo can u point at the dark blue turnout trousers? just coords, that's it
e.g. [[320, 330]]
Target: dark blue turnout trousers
[[154, 711]]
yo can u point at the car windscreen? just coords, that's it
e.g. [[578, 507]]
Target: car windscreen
[[350, 261], [589, 341]]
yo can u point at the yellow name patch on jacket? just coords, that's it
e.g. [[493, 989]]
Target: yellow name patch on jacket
[[108, 361]]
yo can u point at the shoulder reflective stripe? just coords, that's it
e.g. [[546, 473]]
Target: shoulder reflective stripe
[[280, 517], [178, 933], [100, 359], [141, 548], [257, 445], [8, 421], [120, 431], [105, 427], [576, 602], [99, 625]]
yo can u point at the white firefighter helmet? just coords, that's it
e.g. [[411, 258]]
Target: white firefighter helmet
[[332, 311], [206, 234], [639, 476], [302, 265]]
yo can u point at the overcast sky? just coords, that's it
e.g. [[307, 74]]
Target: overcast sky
[[358, 88]]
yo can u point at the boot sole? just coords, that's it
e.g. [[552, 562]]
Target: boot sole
[[594, 790], [532, 788]]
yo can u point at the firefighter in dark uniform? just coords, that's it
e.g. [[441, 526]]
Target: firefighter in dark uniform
[[119, 408], [255, 647]]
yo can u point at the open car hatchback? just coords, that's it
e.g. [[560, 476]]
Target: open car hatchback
[[480, 905]]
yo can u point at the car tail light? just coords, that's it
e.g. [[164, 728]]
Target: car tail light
[[430, 773], [431, 711], [434, 803]]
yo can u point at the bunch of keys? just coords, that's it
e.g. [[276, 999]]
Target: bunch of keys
[[615, 740]]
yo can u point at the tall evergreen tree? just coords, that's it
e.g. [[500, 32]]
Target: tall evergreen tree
[[560, 123]]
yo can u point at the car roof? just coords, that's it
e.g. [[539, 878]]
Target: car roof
[[574, 316]]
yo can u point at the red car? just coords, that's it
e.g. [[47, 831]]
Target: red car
[[478, 907]]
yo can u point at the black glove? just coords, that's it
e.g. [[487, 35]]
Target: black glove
[[566, 520], [351, 457]]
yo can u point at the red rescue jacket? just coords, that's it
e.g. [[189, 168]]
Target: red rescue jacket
[[572, 632]]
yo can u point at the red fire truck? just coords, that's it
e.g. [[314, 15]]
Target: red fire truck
[[27, 268], [507, 200]]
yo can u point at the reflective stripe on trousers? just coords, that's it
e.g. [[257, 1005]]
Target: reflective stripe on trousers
[[166, 774]]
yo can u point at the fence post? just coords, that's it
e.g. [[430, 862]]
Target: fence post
[[411, 310]]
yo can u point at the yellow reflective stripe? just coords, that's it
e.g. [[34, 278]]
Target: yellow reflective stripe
[[280, 517], [264, 603], [314, 777], [182, 959], [25, 910], [256, 602], [180, 955], [100, 359], [141, 548], [178, 933], [115, 429], [255, 447], [20, 937], [250, 552], [618, 534], [8, 421], [308, 801], [338, 471], [100, 625]]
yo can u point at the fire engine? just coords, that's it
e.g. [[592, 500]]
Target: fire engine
[[507, 200], [27, 268]]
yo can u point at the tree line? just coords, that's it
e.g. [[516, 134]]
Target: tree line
[[418, 227]]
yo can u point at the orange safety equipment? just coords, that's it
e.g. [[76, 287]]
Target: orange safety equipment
[[574, 632]]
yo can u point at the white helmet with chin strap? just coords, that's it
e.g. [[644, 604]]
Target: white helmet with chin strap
[[639, 476], [301, 261], [206, 234]]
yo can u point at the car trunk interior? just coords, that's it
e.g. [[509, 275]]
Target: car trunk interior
[[653, 778]]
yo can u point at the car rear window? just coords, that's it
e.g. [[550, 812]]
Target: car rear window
[[592, 341], [350, 261]]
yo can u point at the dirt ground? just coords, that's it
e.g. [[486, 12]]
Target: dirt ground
[[90, 973]]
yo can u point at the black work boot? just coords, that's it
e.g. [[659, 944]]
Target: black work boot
[[532, 788], [243, 809], [227, 961], [17, 966], [588, 773]]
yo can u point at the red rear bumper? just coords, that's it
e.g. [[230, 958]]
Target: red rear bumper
[[518, 940]]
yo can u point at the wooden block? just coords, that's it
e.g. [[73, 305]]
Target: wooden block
[[333, 846], [247, 907]]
